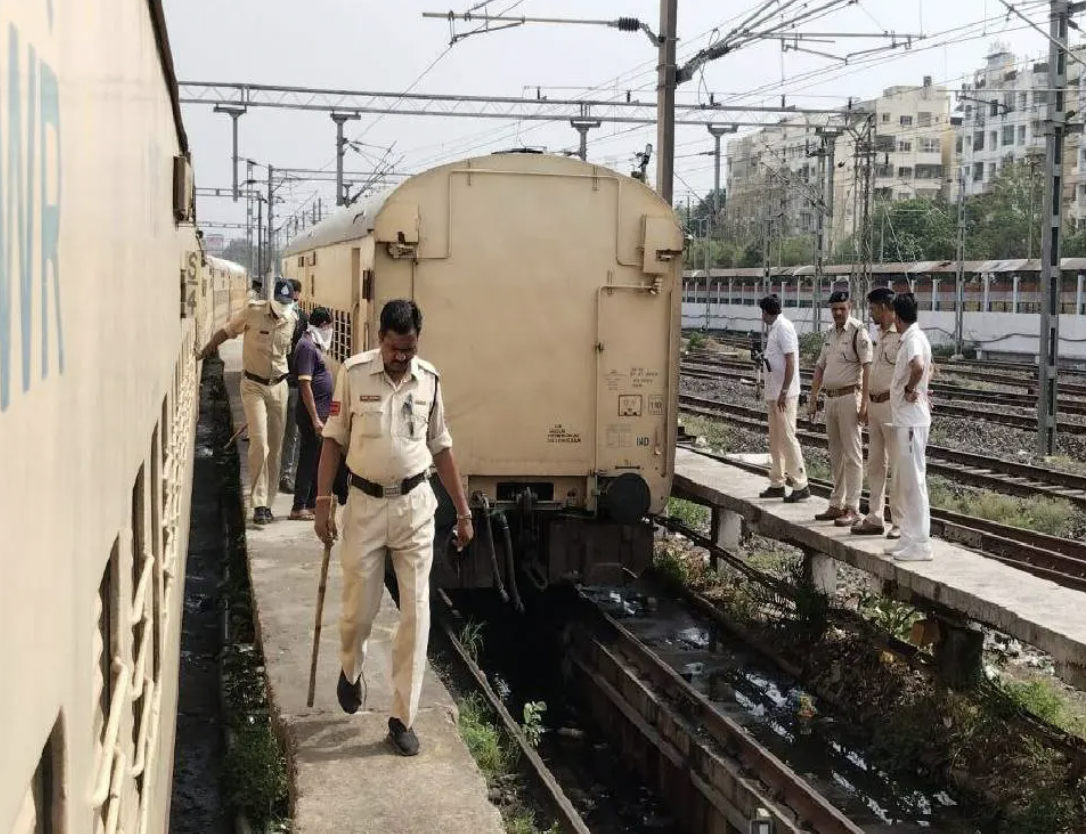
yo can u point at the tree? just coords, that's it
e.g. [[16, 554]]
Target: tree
[[1004, 222]]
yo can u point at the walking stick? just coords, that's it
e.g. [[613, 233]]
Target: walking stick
[[320, 613], [234, 436]]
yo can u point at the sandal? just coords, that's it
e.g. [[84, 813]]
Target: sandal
[[301, 515]]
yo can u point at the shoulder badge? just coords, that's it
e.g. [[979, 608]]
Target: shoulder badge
[[363, 358], [426, 366]]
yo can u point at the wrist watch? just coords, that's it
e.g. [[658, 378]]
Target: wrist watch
[[463, 516]]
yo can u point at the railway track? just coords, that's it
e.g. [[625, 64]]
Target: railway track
[[1007, 379], [741, 370], [943, 391], [1062, 561], [986, 472]]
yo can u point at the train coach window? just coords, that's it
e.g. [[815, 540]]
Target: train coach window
[[301, 260], [42, 811]]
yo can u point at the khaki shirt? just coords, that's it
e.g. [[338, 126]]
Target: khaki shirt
[[390, 431], [267, 338], [882, 366], [841, 365]]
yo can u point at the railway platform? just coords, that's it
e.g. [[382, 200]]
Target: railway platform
[[344, 776], [960, 586]]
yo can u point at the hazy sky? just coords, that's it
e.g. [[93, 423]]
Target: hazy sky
[[354, 44]]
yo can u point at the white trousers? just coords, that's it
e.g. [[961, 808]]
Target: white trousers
[[912, 474], [785, 454], [881, 463], [405, 527], [265, 412]]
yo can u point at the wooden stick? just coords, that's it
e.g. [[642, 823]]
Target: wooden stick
[[234, 436], [320, 613]]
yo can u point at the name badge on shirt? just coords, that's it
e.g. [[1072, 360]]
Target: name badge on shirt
[[369, 398]]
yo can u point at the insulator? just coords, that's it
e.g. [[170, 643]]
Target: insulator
[[629, 24]]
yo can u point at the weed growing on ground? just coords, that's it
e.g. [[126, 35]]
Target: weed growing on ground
[[498, 757], [694, 516], [533, 722], [681, 564], [1053, 516], [1068, 464], [696, 341], [471, 638], [720, 436], [895, 618], [255, 777], [1041, 698], [810, 345]]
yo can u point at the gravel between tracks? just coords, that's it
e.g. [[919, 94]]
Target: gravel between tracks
[[976, 436]]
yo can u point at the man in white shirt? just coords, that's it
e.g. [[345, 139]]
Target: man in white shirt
[[911, 419], [781, 362]]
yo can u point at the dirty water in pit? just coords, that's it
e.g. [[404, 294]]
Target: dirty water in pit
[[198, 805], [776, 711], [523, 660]]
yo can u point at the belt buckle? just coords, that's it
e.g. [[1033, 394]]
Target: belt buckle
[[392, 491]]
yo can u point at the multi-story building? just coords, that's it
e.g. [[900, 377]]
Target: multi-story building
[[772, 178], [911, 148], [1003, 118]]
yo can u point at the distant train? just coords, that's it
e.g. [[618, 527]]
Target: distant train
[[550, 294], [1001, 312], [104, 291]]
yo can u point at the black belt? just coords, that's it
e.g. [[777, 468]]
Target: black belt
[[264, 381], [378, 491]]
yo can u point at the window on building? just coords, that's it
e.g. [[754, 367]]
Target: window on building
[[1040, 98], [1021, 134], [958, 144], [904, 146], [928, 145], [923, 119], [993, 107], [884, 170], [1023, 101], [929, 172], [993, 140], [969, 112], [1008, 135], [991, 170], [906, 121], [905, 172], [1008, 102], [978, 172], [978, 140], [885, 118]]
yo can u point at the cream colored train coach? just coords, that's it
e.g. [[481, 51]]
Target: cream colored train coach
[[550, 296], [104, 291]]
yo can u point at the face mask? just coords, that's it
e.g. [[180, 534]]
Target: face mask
[[322, 336]]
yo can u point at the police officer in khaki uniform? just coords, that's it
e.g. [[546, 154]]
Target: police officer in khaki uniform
[[387, 415], [268, 327], [842, 374], [881, 450]]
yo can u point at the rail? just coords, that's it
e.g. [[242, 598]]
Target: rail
[[993, 473]]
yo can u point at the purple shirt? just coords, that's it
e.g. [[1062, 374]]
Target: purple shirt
[[308, 361]]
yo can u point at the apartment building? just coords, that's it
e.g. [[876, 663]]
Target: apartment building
[[913, 137], [772, 177]]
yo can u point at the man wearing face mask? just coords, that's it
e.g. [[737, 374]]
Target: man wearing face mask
[[289, 457], [314, 400], [268, 327]]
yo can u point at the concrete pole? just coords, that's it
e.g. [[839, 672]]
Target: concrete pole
[[341, 150], [234, 113], [959, 285], [260, 238], [665, 99], [582, 126], [270, 237], [1051, 276]]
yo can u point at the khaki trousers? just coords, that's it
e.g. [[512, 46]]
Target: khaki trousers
[[405, 526], [785, 454], [881, 459], [846, 450], [266, 412]]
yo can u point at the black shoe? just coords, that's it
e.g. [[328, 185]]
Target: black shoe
[[404, 740], [350, 695], [798, 495], [286, 486], [262, 515], [772, 492]]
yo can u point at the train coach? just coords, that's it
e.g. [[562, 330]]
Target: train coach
[[550, 291], [104, 291]]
